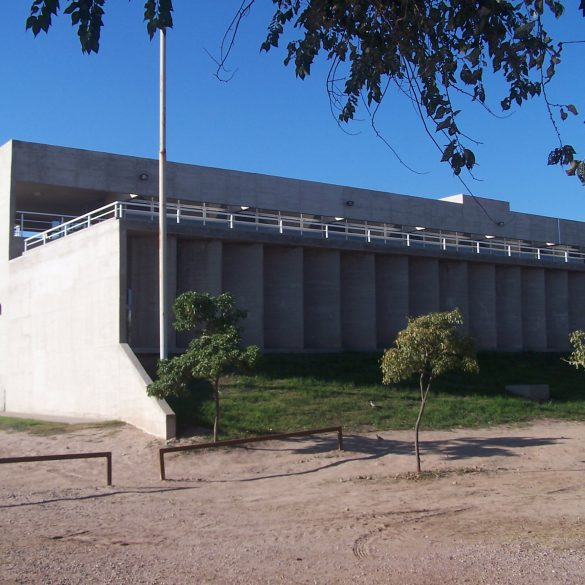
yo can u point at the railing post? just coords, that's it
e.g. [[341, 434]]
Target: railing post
[[326, 231], [161, 458], [109, 468], [538, 253], [339, 439], [280, 225], [231, 221], [566, 256], [407, 240]]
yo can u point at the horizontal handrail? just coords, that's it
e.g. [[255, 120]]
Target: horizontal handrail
[[234, 442], [33, 458], [301, 225]]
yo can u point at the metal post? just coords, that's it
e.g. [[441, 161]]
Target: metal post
[[162, 205]]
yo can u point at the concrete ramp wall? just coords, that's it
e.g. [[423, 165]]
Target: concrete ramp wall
[[63, 314]]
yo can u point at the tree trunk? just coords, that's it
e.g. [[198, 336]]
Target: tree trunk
[[423, 401], [216, 421]]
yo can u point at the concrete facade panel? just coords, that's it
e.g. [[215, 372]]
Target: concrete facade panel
[[454, 292], [143, 292], [576, 301], [557, 309], [423, 286], [243, 276], [283, 298], [392, 307], [322, 299], [534, 309], [358, 301], [199, 268], [482, 304], [509, 307]]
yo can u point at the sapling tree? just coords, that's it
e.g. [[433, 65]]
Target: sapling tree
[[428, 347], [577, 357], [209, 356]]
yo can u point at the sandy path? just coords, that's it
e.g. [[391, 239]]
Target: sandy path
[[299, 512]]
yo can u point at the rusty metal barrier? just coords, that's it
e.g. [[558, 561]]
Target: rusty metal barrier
[[232, 442], [106, 454]]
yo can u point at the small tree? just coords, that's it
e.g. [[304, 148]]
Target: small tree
[[577, 357], [212, 354], [429, 346]]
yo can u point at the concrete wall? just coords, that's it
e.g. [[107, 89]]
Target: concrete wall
[[283, 298], [322, 299], [576, 300], [482, 305], [557, 309], [509, 308], [60, 334], [534, 309], [392, 307], [454, 289], [358, 301], [243, 276], [309, 298]]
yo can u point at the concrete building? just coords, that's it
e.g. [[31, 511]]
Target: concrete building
[[319, 267]]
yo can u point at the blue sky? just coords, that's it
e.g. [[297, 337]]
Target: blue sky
[[265, 120]]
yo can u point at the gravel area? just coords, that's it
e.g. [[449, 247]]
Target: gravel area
[[502, 506]]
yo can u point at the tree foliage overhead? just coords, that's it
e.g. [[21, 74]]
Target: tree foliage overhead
[[87, 16], [430, 346], [435, 52]]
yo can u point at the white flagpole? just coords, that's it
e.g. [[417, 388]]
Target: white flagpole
[[162, 205]]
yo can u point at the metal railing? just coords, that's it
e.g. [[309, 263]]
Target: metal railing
[[236, 442], [34, 222], [309, 226], [107, 455]]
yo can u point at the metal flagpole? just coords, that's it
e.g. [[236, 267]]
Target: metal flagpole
[[162, 205]]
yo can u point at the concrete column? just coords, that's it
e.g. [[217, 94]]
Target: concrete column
[[482, 304], [322, 299], [453, 289], [243, 275], [576, 300], [509, 307], [143, 293], [534, 309], [358, 301], [391, 297], [199, 268], [557, 309], [423, 285], [283, 298]]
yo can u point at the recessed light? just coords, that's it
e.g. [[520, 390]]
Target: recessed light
[[419, 228]]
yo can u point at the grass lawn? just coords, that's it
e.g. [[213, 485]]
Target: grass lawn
[[295, 391], [42, 427]]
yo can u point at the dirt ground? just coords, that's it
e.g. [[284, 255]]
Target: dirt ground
[[505, 506]]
